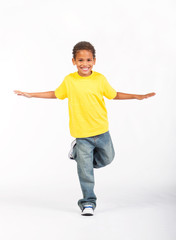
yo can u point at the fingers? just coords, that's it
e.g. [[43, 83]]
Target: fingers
[[150, 95], [141, 97], [19, 93]]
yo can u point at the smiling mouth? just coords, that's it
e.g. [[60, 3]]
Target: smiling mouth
[[85, 69]]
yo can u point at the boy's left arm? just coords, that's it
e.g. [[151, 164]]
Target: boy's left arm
[[123, 96]]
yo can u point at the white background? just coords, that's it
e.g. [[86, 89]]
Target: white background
[[39, 187]]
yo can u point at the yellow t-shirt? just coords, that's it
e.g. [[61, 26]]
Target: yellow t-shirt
[[87, 111]]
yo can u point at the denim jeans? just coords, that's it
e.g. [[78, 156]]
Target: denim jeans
[[89, 153]]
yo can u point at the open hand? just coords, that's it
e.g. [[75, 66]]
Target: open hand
[[141, 97], [25, 94]]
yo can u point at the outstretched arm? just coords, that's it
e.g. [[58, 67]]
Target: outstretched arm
[[49, 94], [123, 96]]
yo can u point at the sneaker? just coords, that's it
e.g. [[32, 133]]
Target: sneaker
[[87, 210], [70, 155]]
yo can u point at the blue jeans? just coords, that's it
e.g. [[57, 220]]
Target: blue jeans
[[89, 153]]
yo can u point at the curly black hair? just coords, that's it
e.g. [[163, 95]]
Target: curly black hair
[[83, 46]]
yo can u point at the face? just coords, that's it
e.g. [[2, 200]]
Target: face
[[84, 62]]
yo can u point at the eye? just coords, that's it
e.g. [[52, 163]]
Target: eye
[[89, 60]]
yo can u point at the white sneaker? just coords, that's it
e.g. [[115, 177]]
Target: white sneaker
[[87, 210], [70, 155]]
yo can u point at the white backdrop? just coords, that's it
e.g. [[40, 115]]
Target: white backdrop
[[135, 50]]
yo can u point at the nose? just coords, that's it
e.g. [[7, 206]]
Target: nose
[[85, 63]]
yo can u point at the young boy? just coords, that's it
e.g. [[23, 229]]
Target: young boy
[[88, 122]]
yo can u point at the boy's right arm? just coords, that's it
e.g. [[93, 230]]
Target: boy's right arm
[[50, 94]]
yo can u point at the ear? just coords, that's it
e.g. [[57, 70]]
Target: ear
[[73, 61], [94, 60]]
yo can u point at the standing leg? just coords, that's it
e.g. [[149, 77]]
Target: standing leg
[[84, 157]]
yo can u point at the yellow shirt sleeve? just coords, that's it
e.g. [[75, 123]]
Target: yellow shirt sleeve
[[108, 91], [61, 91]]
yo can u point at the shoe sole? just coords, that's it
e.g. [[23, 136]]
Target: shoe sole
[[87, 214], [72, 146]]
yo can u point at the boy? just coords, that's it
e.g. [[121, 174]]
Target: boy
[[88, 122]]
